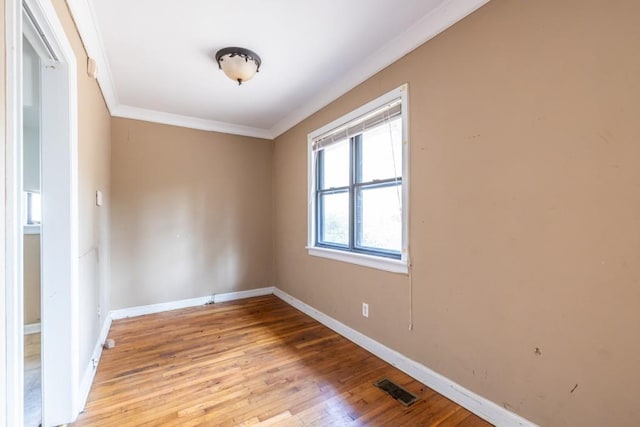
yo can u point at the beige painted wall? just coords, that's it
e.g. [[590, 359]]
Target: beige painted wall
[[191, 213], [94, 142], [525, 211], [31, 278]]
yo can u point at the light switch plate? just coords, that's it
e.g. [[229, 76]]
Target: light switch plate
[[98, 198]]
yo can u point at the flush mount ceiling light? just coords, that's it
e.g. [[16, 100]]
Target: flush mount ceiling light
[[238, 63]]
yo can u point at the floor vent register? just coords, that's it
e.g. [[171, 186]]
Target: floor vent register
[[394, 390]]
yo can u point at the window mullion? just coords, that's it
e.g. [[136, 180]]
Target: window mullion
[[357, 230], [379, 183], [352, 175], [333, 190]]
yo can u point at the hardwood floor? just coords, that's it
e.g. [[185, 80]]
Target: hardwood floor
[[32, 380], [254, 361]]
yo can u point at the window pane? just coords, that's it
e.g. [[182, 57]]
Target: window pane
[[32, 213], [335, 171], [36, 208], [379, 218], [382, 152], [333, 217]]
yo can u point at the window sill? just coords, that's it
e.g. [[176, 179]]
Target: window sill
[[380, 263], [31, 229]]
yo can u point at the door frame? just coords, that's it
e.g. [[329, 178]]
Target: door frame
[[59, 230]]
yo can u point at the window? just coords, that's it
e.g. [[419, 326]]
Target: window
[[32, 212], [358, 171]]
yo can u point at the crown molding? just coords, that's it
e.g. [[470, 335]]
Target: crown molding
[[146, 115], [441, 18], [84, 16]]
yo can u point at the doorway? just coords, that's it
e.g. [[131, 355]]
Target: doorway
[[35, 22], [32, 217]]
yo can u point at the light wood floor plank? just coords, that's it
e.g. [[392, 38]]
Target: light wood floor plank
[[255, 362]]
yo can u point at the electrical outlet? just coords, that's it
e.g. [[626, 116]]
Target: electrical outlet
[[365, 309]]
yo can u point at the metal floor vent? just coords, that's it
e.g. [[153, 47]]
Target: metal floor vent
[[394, 390]]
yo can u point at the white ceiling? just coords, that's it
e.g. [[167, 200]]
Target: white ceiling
[[156, 57]]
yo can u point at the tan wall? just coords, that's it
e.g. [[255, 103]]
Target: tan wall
[[31, 278], [525, 211], [191, 213], [94, 140]]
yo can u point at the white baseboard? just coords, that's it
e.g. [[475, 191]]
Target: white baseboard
[[185, 303], [90, 370], [480, 406], [141, 310], [32, 328], [231, 296]]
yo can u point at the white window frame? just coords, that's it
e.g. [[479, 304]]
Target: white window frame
[[379, 262]]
